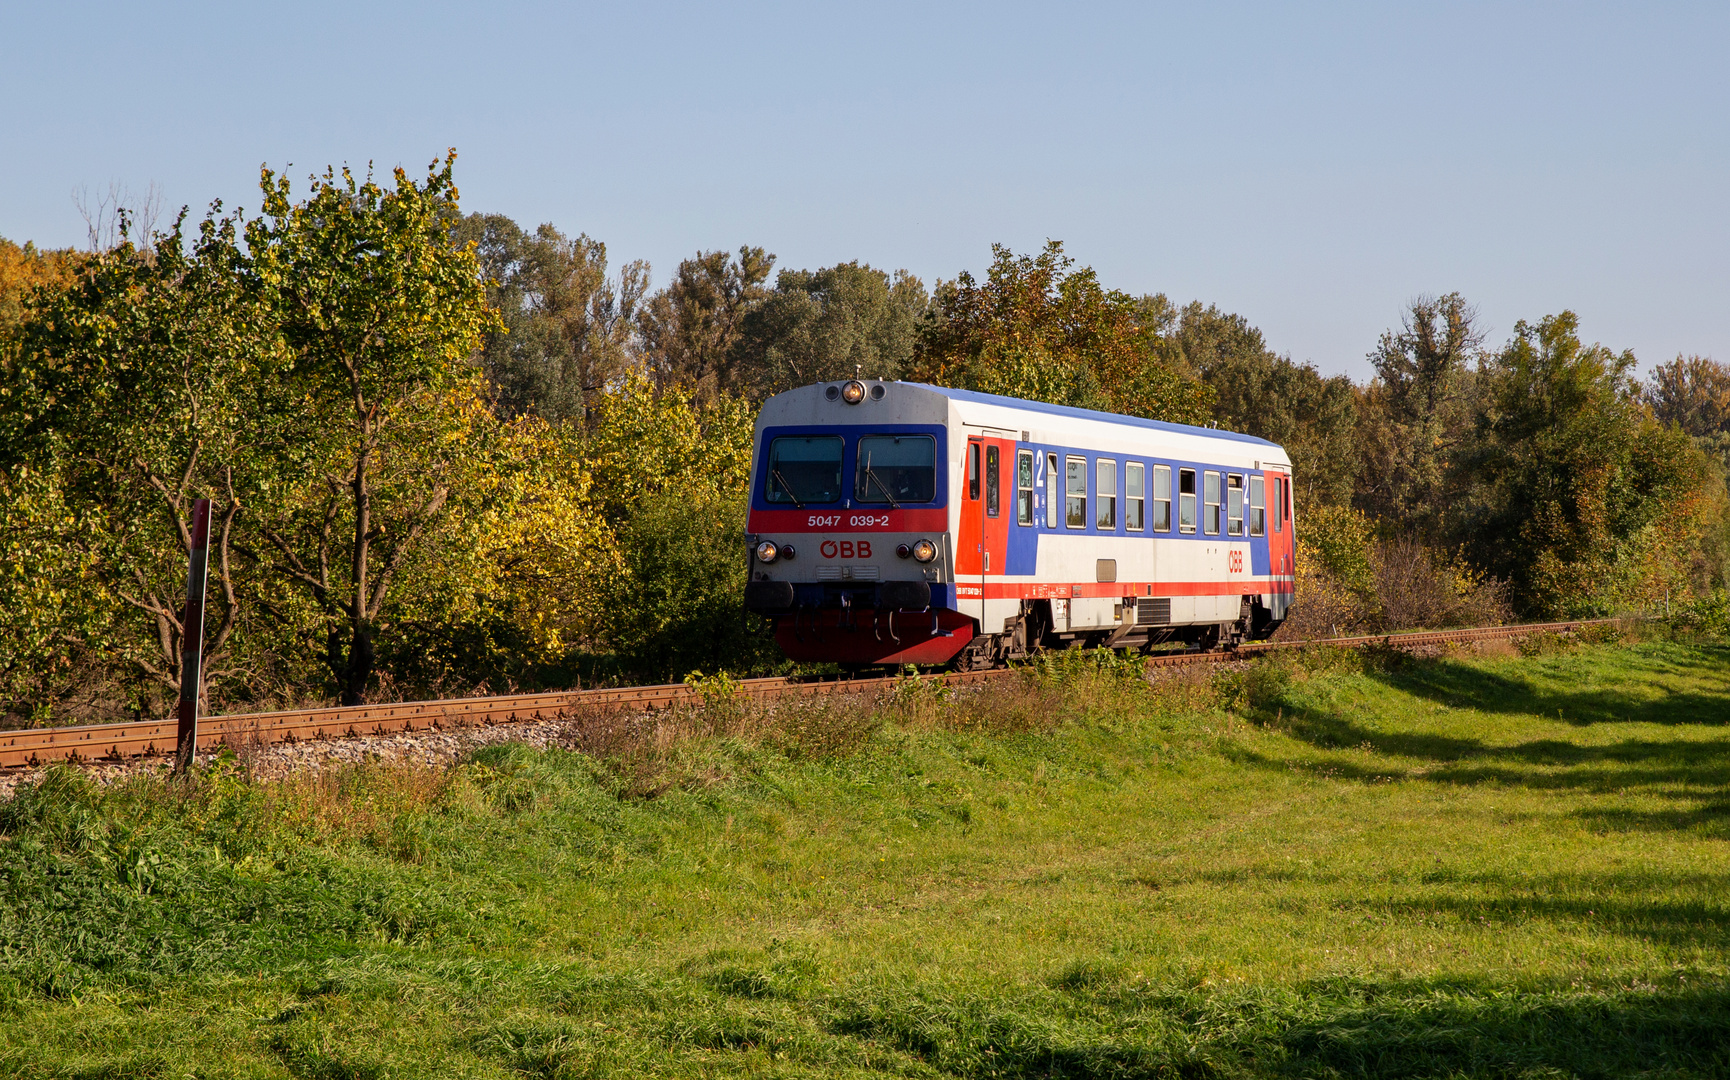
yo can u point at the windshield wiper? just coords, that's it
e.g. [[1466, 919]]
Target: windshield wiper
[[788, 488], [871, 474]]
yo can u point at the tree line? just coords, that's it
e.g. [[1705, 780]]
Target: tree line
[[448, 454]]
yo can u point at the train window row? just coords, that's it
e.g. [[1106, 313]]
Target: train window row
[[1232, 503], [895, 469]]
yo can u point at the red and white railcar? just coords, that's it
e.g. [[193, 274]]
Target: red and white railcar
[[897, 523]]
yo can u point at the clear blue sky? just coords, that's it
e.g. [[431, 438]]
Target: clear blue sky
[[1311, 167]]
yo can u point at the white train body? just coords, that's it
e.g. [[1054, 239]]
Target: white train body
[[1046, 525]]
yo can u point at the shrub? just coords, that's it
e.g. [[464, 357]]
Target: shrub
[[1417, 587], [1254, 688]]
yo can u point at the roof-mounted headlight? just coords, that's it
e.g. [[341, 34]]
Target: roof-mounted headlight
[[924, 551], [853, 393]]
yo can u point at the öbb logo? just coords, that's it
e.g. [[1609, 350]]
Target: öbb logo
[[845, 549]]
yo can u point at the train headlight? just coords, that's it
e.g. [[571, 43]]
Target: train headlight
[[924, 551], [767, 551], [853, 393]]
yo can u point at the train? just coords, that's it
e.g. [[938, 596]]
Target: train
[[897, 523]]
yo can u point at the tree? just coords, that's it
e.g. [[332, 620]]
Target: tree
[[1269, 396], [22, 270], [1418, 414], [136, 389], [1037, 329], [1578, 497], [568, 329], [670, 474], [1691, 392], [826, 324], [691, 328], [380, 311]]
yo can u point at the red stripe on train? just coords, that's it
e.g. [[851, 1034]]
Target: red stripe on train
[[1039, 590]]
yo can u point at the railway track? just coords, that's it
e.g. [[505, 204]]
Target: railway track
[[119, 742]]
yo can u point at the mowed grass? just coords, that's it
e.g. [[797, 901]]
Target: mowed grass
[[1466, 866]]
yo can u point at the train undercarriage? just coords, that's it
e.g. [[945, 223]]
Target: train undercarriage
[[861, 638]]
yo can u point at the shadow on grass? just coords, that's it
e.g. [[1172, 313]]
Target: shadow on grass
[[1488, 690], [1329, 1028], [1687, 922], [1646, 1032], [1546, 763]]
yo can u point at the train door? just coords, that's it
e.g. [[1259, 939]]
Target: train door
[[1281, 541], [984, 533]]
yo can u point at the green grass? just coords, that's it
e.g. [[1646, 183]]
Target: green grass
[[1470, 866]]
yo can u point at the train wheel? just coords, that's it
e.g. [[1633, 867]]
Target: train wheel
[[983, 652]]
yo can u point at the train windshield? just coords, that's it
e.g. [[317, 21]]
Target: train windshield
[[896, 469], [804, 469]]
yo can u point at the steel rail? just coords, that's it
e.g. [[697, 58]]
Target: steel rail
[[117, 742]]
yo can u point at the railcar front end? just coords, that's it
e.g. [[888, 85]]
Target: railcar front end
[[849, 526]]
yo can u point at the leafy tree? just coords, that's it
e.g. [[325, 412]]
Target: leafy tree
[[691, 328], [22, 269], [826, 324], [134, 390], [568, 329], [1037, 329], [514, 575], [1691, 392], [1418, 415], [381, 312], [56, 621], [1269, 396], [670, 471], [1578, 497]]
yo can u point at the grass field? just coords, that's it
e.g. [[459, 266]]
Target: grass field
[[1465, 866]]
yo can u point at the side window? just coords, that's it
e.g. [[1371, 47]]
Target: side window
[[993, 487], [1285, 487], [1162, 498], [1257, 506], [1134, 496], [1052, 500], [1105, 491], [1186, 500], [973, 472], [1024, 487], [1075, 492], [1210, 504], [1234, 504]]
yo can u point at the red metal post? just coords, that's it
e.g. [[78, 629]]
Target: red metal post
[[192, 636]]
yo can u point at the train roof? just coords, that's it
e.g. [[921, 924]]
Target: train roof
[[932, 404], [1074, 413]]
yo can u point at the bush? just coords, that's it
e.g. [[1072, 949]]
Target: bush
[[1707, 616], [1417, 587], [1349, 581], [1255, 688]]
